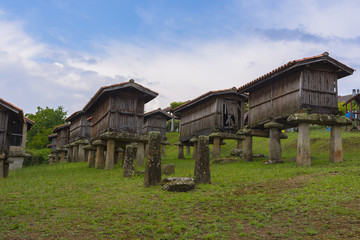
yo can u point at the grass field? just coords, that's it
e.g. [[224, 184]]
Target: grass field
[[246, 200]]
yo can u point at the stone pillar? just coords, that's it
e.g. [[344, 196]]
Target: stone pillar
[[248, 154], [81, 153], [153, 163], [181, 152], [99, 160], [239, 144], [202, 163], [129, 169], [195, 151], [303, 146], [91, 158], [110, 154], [62, 157], [216, 148], [121, 156], [336, 153], [75, 155], [275, 152], [172, 125], [69, 154], [2, 166], [118, 154], [57, 157], [163, 150], [140, 154], [187, 148]]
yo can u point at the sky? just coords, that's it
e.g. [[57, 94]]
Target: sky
[[60, 52]]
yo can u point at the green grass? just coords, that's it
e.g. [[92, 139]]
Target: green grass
[[246, 200]]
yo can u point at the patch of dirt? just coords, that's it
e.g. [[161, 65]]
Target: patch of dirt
[[276, 185]]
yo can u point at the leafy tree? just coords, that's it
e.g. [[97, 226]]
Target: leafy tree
[[45, 120], [174, 105]]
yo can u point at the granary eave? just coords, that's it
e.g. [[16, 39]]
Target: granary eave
[[74, 115], [52, 136], [206, 96], [60, 127], [148, 94], [356, 97], [158, 111], [342, 70]]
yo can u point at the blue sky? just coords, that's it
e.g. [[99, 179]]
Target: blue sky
[[55, 52]]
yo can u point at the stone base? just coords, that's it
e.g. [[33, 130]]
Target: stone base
[[178, 184], [225, 160]]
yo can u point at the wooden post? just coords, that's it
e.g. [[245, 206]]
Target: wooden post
[[99, 161], [303, 146], [181, 152], [248, 154], [336, 153], [110, 154], [140, 154], [216, 148], [202, 163], [153, 163]]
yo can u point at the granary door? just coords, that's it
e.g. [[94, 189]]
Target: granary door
[[231, 114]]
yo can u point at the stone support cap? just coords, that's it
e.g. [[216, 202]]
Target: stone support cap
[[223, 135], [320, 119], [89, 147], [274, 125], [193, 140], [124, 137], [258, 133], [82, 141], [99, 142]]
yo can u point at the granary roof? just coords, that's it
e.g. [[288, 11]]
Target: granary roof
[[148, 114], [356, 98], [52, 136], [13, 108], [342, 69], [62, 126], [74, 115], [208, 95], [149, 94]]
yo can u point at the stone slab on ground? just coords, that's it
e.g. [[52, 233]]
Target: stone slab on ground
[[178, 184], [225, 160], [169, 169]]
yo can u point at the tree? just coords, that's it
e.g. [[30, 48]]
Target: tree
[[45, 120], [174, 105]]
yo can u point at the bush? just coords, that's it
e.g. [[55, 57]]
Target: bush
[[38, 156]]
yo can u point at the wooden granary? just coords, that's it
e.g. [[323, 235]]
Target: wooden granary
[[10, 117], [300, 92], [118, 108], [219, 114], [117, 116], [156, 121], [79, 135], [62, 139]]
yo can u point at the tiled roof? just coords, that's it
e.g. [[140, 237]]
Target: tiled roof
[[12, 108], [74, 115], [296, 63], [148, 114], [58, 128], [131, 83], [206, 95]]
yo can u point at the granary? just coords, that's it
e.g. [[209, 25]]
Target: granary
[[117, 116], [219, 114], [297, 94], [156, 121], [52, 145], [62, 139], [18, 143], [79, 135], [10, 116], [353, 112]]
